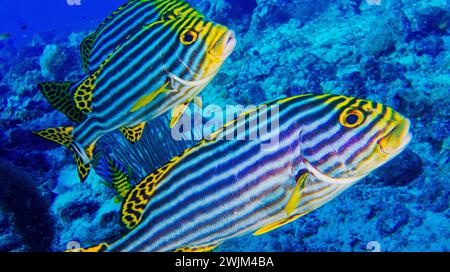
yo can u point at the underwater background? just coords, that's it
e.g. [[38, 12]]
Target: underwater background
[[393, 52]]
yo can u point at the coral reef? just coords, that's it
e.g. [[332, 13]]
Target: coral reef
[[396, 53], [28, 210]]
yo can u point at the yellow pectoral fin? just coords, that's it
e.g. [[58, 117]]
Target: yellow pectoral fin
[[278, 224], [296, 195], [145, 100], [133, 134], [197, 249], [177, 112]]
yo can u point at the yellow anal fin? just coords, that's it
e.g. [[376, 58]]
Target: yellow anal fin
[[278, 224], [145, 100], [99, 248], [86, 50], [296, 195], [133, 134], [177, 112], [197, 249]]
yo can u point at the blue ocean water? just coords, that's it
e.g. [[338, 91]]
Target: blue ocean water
[[393, 52]]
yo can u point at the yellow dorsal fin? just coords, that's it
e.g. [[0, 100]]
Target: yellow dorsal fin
[[133, 134], [143, 101], [296, 195], [177, 112], [83, 92], [278, 224], [198, 249], [86, 50], [137, 198]]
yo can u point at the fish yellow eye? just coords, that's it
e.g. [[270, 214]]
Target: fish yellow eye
[[188, 37], [352, 118]]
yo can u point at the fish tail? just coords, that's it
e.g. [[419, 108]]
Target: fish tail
[[64, 137], [61, 96]]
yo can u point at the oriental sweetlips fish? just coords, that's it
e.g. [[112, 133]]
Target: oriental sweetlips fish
[[162, 67], [220, 190], [125, 22]]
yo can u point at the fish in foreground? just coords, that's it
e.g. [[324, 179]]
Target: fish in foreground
[[125, 22], [162, 67], [220, 190]]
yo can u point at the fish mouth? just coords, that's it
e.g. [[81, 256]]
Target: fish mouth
[[224, 46], [397, 139]]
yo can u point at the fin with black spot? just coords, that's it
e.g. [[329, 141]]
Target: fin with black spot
[[133, 134], [60, 96], [296, 194], [86, 50], [99, 248], [278, 224], [63, 136], [83, 93], [137, 198], [208, 248]]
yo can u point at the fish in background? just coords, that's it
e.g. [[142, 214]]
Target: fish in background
[[219, 190], [124, 23], [114, 173], [162, 67], [5, 36]]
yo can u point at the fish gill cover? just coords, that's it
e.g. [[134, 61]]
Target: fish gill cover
[[392, 52]]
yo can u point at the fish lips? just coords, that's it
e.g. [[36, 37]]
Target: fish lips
[[397, 139], [224, 46]]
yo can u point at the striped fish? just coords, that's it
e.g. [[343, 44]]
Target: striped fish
[[114, 173], [220, 190], [162, 67], [125, 22]]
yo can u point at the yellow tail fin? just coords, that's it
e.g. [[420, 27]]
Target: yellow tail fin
[[63, 136]]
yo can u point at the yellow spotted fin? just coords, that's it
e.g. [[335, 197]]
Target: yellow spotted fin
[[99, 248], [84, 91], [86, 50], [63, 136], [296, 195], [278, 224], [137, 198], [133, 134], [198, 249], [74, 99], [60, 96]]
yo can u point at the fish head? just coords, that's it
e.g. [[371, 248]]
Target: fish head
[[199, 49], [351, 138]]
